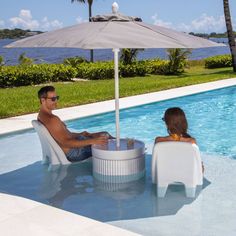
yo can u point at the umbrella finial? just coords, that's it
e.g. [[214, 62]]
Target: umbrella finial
[[115, 7]]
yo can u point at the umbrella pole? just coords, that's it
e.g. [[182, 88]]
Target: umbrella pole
[[116, 70]]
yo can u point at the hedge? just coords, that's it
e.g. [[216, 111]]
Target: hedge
[[34, 74], [22, 75], [95, 71], [157, 66], [218, 61]]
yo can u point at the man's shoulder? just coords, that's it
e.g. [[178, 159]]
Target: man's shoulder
[[53, 119], [48, 118]]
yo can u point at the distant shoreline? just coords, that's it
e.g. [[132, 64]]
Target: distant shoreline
[[20, 33], [17, 33], [57, 55]]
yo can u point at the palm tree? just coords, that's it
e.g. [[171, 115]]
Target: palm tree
[[230, 33], [129, 55], [90, 3]]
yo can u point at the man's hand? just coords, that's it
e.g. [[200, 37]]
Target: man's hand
[[102, 140]]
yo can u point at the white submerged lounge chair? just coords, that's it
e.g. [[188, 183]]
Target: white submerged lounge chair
[[176, 162], [51, 151]]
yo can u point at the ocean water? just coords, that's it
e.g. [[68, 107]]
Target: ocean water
[[57, 55]]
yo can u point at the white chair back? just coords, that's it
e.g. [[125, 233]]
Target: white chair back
[[51, 151], [176, 162]]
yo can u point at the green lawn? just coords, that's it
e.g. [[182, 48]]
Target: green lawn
[[23, 100]]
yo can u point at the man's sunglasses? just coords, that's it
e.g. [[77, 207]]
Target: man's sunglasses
[[163, 119], [53, 99]]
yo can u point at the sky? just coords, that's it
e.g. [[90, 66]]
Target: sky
[[198, 16]]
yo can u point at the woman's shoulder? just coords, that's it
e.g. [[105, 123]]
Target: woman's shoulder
[[168, 138], [162, 139], [190, 140]]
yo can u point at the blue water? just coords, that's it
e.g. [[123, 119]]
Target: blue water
[[211, 117], [57, 55]]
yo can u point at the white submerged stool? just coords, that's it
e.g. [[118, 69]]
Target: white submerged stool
[[119, 165]]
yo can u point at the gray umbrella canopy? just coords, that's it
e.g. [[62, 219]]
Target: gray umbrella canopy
[[114, 31]]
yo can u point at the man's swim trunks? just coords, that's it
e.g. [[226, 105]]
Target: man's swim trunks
[[79, 154]]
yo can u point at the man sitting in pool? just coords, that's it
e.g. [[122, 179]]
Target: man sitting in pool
[[77, 146]]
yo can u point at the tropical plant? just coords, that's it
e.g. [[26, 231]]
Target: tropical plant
[[90, 3], [177, 60], [230, 33], [24, 60], [129, 55], [2, 61], [74, 61]]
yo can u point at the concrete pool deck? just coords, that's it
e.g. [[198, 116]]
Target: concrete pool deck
[[211, 213], [21, 216], [19, 123]]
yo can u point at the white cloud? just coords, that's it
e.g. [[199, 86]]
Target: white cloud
[[26, 21], [203, 24], [161, 22], [2, 23], [80, 20], [207, 23], [46, 25]]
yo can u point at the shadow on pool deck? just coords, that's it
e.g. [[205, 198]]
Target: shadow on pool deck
[[74, 189]]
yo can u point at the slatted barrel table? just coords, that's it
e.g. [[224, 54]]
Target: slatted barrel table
[[119, 165]]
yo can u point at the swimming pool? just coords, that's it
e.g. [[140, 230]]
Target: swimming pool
[[211, 117]]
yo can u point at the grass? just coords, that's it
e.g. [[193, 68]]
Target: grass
[[23, 100]]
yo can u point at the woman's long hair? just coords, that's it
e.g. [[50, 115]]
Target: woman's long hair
[[176, 122]]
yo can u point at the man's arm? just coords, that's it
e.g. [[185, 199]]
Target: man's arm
[[84, 133], [92, 135], [65, 139]]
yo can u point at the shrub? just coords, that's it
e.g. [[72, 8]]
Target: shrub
[[134, 69], [157, 66], [35, 74], [218, 61], [105, 70], [95, 71]]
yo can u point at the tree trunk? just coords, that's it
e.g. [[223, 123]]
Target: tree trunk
[[90, 15], [230, 33]]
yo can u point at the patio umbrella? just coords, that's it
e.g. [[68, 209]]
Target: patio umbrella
[[114, 31]]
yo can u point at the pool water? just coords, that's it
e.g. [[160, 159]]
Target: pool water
[[211, 116]]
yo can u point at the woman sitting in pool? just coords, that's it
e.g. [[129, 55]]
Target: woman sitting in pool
[[177, 127]]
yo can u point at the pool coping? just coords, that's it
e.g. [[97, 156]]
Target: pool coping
[[21, 123], [21, 216]]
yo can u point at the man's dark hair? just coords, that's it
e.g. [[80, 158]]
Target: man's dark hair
[[42, 93]]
